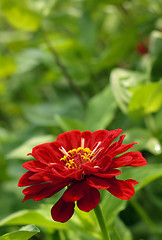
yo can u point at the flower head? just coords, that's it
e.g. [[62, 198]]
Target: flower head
[[84, 162]]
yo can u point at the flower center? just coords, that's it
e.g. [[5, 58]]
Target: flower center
[[76, 157]]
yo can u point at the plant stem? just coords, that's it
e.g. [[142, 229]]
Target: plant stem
[[101, 221], [64, 71]]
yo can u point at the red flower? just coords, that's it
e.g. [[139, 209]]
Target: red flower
[[141, 48], [84, 162]]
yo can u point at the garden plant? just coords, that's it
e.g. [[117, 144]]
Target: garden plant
[[81, 120]]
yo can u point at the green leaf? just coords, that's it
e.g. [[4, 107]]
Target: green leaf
[[21, 17], [37, 217], [83, 225], [8, 66], [117, 49], [68, 124], [88, 33], [100, 110], [146, 99], [24, 233], [144, 175], [22, 151], [111, 206], [145, 140], [44, 114], [122, 83]]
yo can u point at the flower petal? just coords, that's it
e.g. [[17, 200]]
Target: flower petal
[[87, 136], [47, 153], [62, 211], [73, 173], [34, 166], [122, 189], [98, 182], [69, 140], [25, 180], [104, 136], [75, 192], [89, 168], [38, 192], [118, 148], [116, 145], [134, 159], [90, 200], [103, 162], [49, 191], [108, 173]]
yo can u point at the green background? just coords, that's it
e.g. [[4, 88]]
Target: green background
[[87, 65]]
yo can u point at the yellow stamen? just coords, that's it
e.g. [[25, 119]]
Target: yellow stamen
[[76, 157]]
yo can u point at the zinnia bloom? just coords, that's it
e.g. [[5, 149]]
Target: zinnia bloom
[[84, 162]]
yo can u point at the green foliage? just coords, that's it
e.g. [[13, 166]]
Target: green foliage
[[83, 65], [20, 16], [146, 99], [37, 217], [23, 233], [145, 139], [26, 147], [123, 82], [7, 66], [100, 110]]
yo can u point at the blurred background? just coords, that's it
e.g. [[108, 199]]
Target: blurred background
[[87, 65]]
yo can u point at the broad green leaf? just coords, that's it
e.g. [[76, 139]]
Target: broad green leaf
[[28, 59], [100, 110], [117, 49], [24, 233], [122, 83], [21, 18], [144, 175], [82, 235], [7, 66], [88, 33], [44, 114], [146, 99], [68, 124], [84, 225], [145, 140], [111, 206], [37, 217], [27, 146]]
